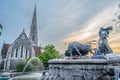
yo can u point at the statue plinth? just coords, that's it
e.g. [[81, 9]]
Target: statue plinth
[[101, 65], [78, 69]]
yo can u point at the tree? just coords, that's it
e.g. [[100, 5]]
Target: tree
[[1, 27], [49, 52]]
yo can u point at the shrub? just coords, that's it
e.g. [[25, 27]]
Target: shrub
[[20, 66]]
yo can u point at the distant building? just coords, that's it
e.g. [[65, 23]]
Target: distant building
[[22, 48]]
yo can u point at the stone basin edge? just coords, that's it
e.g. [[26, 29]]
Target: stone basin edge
[[74, 61]]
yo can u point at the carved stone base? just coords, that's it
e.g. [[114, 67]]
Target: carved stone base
[[79, 69]]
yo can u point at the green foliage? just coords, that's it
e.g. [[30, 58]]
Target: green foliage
[[35, 61], [27, 59], [29, 68], [49, 52], [36, 64], [29, 64], [1, 27], [20, 66]]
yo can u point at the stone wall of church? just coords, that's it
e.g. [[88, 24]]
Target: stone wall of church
[[14, 63], [19, 50]]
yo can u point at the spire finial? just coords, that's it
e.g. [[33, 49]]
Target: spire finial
[[23, 29]]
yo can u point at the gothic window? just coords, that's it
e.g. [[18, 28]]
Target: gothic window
[[16, 54], [21, 52], [26, 53]]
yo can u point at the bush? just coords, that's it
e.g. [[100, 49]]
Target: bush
[[20, 66], [29, 68], [36, 64]]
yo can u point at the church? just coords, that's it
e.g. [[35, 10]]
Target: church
[[23, 47]]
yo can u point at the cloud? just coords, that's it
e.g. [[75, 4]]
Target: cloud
[[59, 21], [65, 17], [90, 30], [62, 20]]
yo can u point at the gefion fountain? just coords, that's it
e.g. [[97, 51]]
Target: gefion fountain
[[103, 65]]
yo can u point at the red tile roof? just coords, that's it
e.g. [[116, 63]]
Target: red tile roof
[[4, 50], [37, 50]]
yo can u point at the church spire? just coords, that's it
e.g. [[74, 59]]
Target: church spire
[[33, 35]]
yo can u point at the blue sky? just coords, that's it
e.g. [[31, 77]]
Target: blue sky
[[56, 19]]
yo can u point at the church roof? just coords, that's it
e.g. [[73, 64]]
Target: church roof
[[22, 39], [37, 50], [23, 35], [4, 50]]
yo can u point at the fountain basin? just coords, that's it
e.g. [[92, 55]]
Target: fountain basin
[[4, 78], [30, 76], [79, 69]]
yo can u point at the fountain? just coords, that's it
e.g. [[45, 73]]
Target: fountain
[[35, 64], [103, 65], [30, 76]]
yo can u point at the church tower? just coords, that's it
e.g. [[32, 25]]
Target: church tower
[[22, 48], [33, 35]]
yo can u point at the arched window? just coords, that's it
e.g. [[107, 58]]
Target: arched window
[[16, 54], [26, 53], [21, 52]]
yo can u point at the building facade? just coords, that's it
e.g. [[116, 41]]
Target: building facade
[[23, 47]]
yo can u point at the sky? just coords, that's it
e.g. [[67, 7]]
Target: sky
[[61, 21]]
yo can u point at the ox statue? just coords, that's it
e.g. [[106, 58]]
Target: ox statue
[[79, 49]]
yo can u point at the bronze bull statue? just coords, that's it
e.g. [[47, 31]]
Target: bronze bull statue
[[79, 49]]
